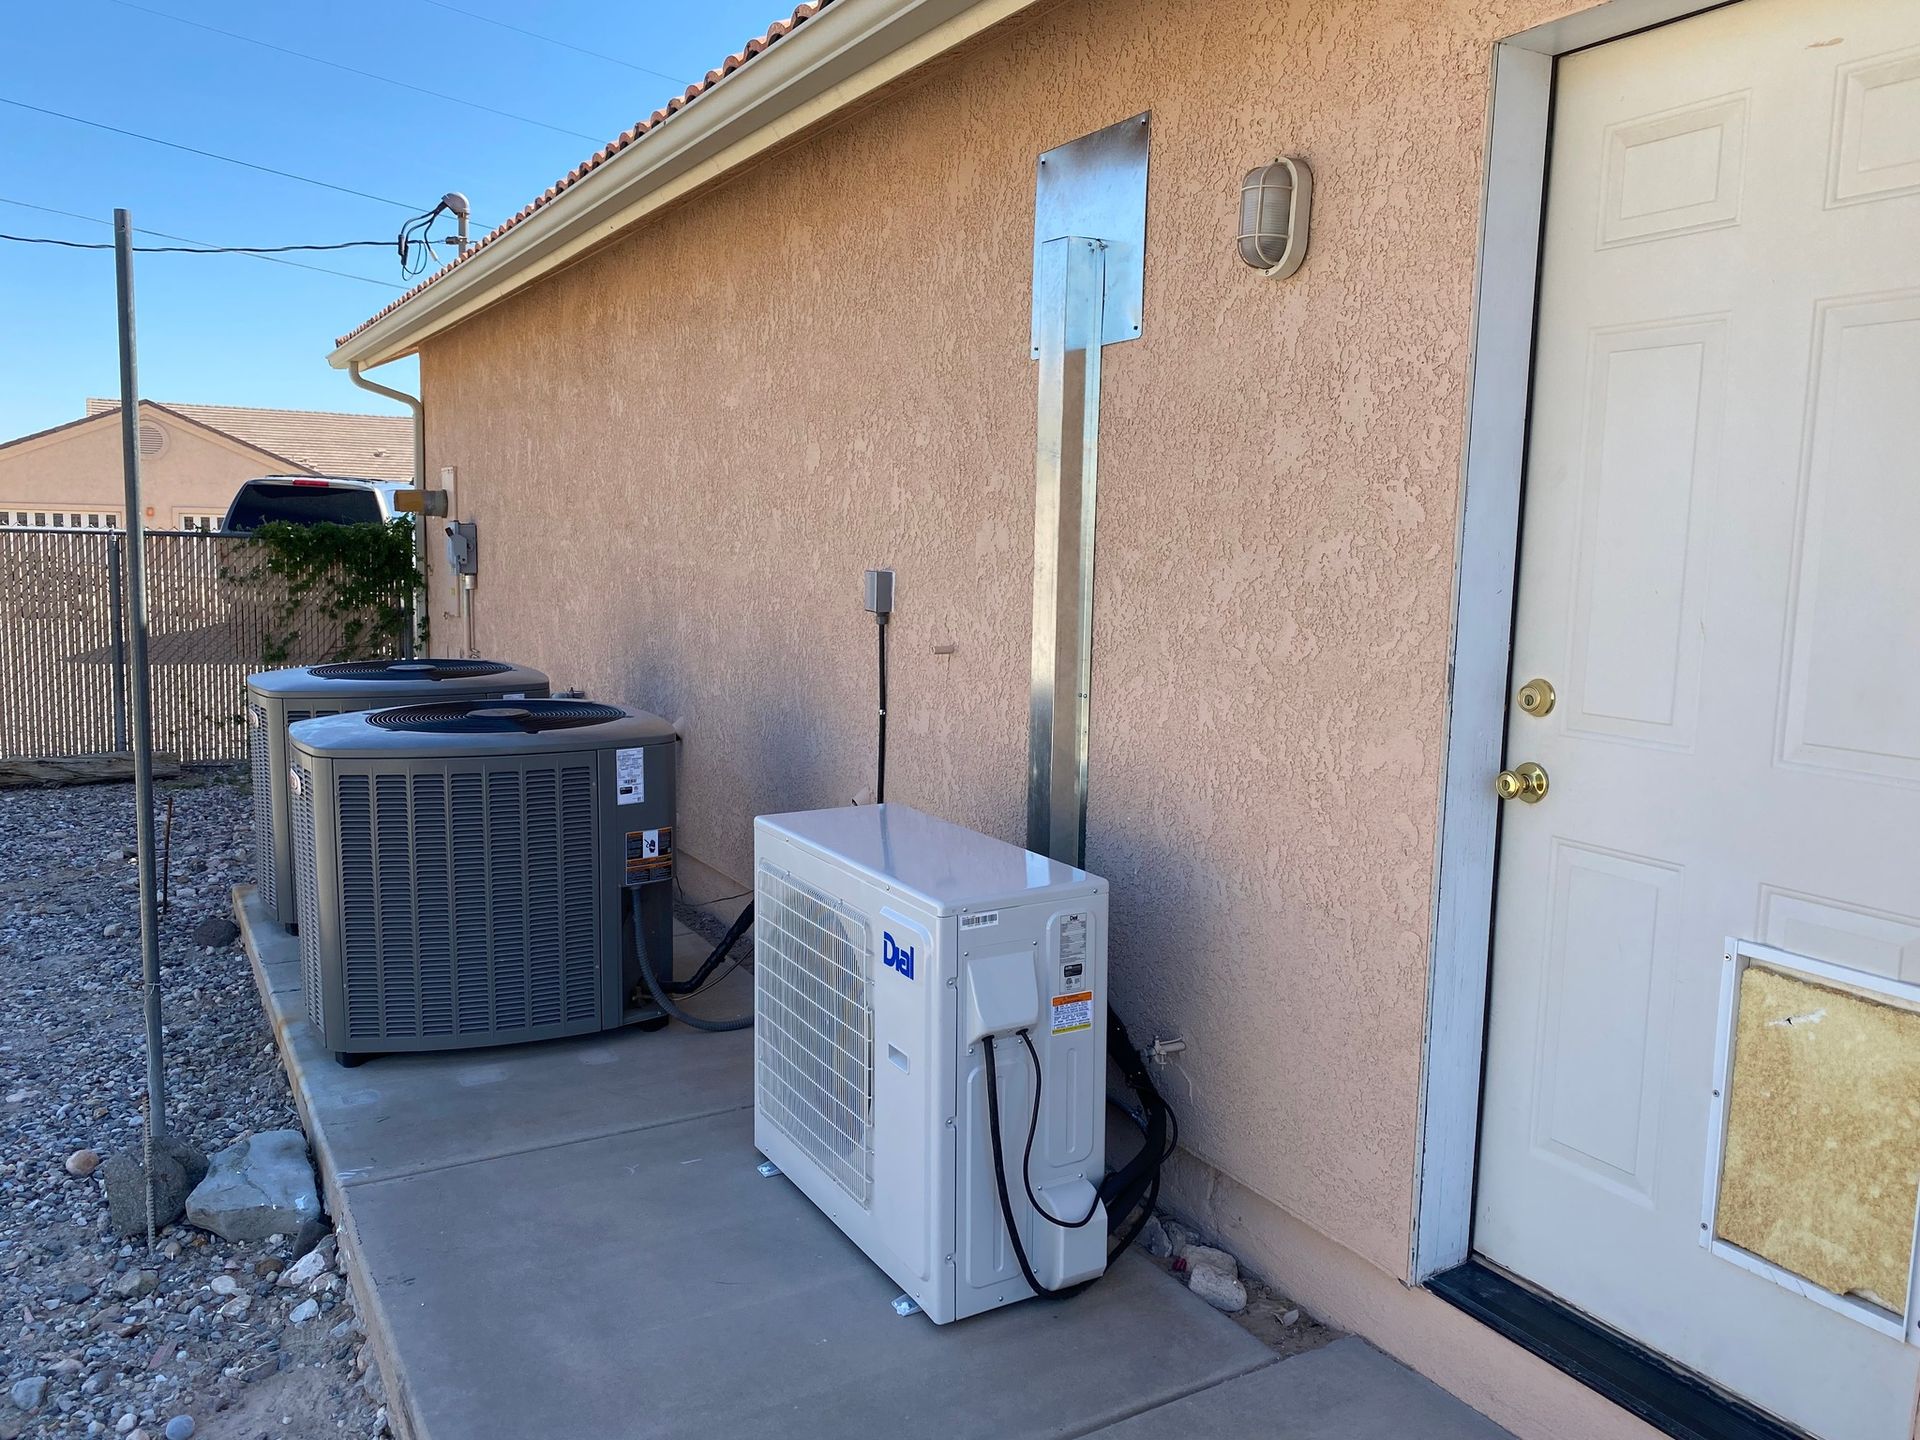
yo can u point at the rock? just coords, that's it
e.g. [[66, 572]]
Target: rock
[[126, 1423], [126, 1181], [180, 1427], [1218, 1289], [83, 1163], [216, 932], [1200, 1257], [224, 1285], [1153, 1236], [113, 930], [1178, 1237], [258, 1187], [129, 1283], [303, 1312], [310, 1266], [236, 1308], [1290, 1317], [347, 1329], [29, 1393]]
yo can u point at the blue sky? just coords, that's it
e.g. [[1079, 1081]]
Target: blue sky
[[235, 330]]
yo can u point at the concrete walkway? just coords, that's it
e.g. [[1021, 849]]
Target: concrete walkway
[[571, 1239]]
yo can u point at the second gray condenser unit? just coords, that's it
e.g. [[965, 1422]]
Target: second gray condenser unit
[[279, 698], [469, 872]]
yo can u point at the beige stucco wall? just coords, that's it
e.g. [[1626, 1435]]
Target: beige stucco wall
[[79, 469], [683, 452]]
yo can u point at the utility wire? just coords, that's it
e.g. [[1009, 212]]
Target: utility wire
[[351, 70], [256, 254], [192, 249], [552, 40], [411, 209]]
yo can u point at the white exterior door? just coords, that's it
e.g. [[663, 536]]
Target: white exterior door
[[1720, 577]]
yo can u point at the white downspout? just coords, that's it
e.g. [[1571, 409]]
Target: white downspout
[[419, 410]]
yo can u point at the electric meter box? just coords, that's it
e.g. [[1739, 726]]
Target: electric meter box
[[887, 945]]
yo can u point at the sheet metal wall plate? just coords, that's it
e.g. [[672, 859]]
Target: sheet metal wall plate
[[1096, 187]]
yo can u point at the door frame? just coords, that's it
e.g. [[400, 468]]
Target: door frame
[[1499, 384]]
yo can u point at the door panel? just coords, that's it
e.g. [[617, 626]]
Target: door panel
[[1720, 576]]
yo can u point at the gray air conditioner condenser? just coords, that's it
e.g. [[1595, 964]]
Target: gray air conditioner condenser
[[279, 698], [468, 872]]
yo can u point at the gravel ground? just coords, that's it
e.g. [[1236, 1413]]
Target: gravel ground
[[99, 1336]]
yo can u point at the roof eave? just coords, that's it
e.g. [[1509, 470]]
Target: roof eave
[[843, 54]]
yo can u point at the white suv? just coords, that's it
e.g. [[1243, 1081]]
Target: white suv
[[310, 500]]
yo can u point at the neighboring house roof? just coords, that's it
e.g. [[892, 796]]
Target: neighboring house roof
[[828, 55], [324, 442]]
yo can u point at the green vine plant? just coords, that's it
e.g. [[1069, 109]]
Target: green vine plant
[[333, 592]]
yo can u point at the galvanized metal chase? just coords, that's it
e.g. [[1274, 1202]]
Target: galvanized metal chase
[[1096, 187]]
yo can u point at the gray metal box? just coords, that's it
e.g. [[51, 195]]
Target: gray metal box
[[279, 698], [466, 871]]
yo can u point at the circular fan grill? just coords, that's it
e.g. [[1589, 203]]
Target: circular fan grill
[[409, 669], [496, 717]]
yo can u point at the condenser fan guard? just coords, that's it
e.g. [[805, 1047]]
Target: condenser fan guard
[[494, 717], [413, 671]]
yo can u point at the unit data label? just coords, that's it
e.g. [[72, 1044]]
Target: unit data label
[[630, 775]]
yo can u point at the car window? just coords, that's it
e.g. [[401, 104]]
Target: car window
[[263, 501]]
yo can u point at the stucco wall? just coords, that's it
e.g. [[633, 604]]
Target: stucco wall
[[683, 451], [79, 469]]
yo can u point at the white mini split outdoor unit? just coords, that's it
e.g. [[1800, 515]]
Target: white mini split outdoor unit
[[887, 946], [279, 698], [475, 873]]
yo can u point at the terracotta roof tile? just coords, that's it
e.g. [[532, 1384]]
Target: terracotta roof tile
[[641, 129]]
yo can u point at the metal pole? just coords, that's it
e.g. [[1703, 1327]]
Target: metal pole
[[142, 696], [117, 628]]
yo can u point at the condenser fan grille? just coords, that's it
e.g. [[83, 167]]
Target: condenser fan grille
[[496, 717], [408, 670]]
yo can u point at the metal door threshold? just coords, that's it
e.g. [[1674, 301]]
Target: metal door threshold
[[1673, 1400]]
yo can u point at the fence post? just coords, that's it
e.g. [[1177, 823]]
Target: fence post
[[116, 599]]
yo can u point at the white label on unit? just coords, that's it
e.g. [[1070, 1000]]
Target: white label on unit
[[980, 920], [630, 774]]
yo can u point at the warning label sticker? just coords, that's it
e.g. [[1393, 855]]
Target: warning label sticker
[[1073, 1012], [630, 775], [649, 855]]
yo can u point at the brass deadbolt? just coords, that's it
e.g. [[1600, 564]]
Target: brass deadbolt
[[1526, 782], [1536, 698]]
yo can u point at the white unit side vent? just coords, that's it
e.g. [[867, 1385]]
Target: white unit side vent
[[814, 1027]]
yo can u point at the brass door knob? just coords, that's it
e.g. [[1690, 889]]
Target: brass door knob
[[1526, 781]]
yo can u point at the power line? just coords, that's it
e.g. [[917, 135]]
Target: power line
[[351, 70], [164, 235], [213, 155], [552, 40], [193, 249]]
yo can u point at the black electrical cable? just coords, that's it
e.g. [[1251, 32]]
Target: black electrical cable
[[1000, 1184], [1026, 1159], [195, 249], [1132, 1190], [712, 962], [880, 780], [659, 991]]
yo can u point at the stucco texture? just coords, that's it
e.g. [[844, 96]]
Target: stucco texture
[[683, 451]]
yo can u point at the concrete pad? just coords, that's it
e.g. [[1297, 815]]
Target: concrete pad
[[400, 1114], [1344, 1391], [654, 1284]]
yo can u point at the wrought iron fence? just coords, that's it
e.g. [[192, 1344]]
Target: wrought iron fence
[[214, 614]]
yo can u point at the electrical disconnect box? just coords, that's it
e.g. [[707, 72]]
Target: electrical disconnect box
[[890, 946], [463, 547]]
